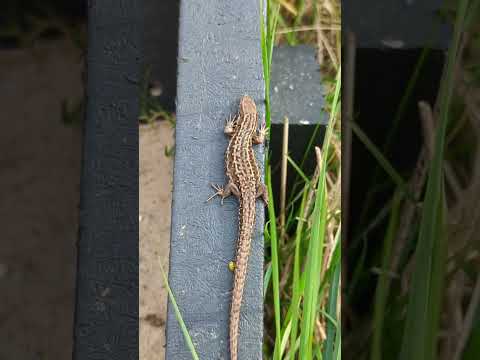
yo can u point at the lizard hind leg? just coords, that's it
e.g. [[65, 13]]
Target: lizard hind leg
[[262, 193]]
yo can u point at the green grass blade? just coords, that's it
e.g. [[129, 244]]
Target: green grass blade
[[338, 345], [271, 31], [266, 65], [383, 284], [293, 348], [275, 262], [399, 115], [301, 11], [384, 163], [406, 99], [283, 343], [332, 117], [290, 36], [472, 348], [332, 326], [315, 249], [296, 289], [267, 37], [266, 280], [298, 170], [421, 327], [178, 315], [313, 268], [268, 23], [335, 261]]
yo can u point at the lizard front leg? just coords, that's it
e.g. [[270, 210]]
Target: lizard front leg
[[259, 137], [228, 190], [230, 126]]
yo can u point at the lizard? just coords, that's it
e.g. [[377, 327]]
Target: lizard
[[244, 182]]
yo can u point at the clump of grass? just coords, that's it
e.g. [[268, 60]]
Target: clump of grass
[[424, 293], [150, 108], [313, 22], [303, 264]]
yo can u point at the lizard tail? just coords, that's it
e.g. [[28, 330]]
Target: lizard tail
[[247, 222]]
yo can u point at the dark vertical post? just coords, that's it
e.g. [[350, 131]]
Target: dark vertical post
[[106, 318], [219, 60], [297, 93]]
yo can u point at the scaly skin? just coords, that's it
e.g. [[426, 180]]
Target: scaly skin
[[244, 182]]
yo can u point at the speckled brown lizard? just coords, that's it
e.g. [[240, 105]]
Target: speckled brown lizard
[[244, 181]]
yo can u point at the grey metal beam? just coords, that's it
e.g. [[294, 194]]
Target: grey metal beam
[[219, 60]]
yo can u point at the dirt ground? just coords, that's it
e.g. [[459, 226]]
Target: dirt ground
[[156, 171], [40, 179], [40, 162]]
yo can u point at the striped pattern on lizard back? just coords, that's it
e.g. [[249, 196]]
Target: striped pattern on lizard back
[[242, 170]]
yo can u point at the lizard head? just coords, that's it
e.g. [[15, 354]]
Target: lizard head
[[247, 106]]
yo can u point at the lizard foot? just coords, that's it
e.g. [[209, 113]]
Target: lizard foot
[[260, 136], [220, 192], [262, 193], [229, 125]]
